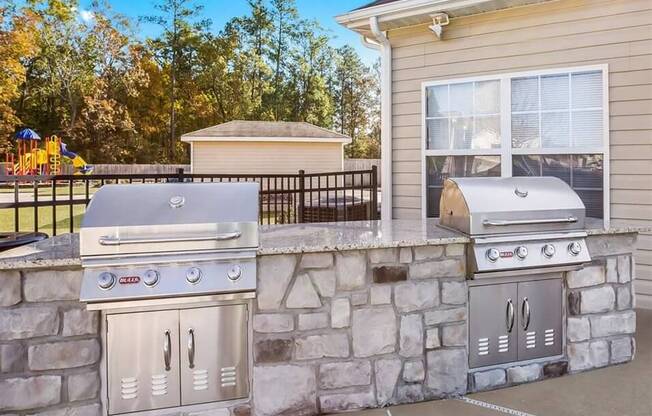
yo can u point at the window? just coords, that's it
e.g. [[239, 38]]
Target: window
[[545, 123]]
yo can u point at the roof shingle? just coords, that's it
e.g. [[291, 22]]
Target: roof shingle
[[268, 129]]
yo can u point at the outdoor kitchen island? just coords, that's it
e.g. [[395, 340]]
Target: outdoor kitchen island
[[346, 316]]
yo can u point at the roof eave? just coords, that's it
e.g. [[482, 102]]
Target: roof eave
[[389, 14]]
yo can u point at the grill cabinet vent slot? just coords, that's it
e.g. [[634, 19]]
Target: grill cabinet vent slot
[[228, 376], [549, 337], [200, 380], [159, 385], [128, 388], [530, 339], [483, 346], [503, 343]]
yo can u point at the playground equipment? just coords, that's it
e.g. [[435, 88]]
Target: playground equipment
[[30, 159]]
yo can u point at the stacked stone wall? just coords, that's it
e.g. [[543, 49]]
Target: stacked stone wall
[[358, 329], [49, 345]]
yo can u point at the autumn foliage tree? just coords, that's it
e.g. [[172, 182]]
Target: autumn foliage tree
[[117, 98]]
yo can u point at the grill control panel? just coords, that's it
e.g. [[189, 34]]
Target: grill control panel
[[507, 255], [166, 280]]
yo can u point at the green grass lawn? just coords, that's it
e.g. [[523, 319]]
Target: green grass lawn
[[26, 219]]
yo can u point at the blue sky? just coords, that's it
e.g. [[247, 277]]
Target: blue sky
[[220, 11]]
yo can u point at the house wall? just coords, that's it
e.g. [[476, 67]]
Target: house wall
[[558, 34], [266, 157]]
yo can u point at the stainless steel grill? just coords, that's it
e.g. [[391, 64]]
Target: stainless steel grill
[[525, 234], [172, 267], [516, 223]]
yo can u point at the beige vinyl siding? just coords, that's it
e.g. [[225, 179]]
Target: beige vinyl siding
[[559, 34], [265, 157]]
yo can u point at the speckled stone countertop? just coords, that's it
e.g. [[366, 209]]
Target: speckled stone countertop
[[354, 235], [63, 250]]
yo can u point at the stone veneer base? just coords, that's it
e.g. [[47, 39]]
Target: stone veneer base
[[332, 331]]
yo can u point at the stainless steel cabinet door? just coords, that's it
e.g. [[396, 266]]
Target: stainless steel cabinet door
[[213, 354], [539, 319], [143, 361], [492, 326]]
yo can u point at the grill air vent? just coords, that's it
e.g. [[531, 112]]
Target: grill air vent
[[200, 380], [530, 339], [228, 376], [503, 343], [549, 337], [159, 385], [483, 346], [128, 388]]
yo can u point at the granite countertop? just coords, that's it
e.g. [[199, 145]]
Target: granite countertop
[[354, 235], [63, 250]]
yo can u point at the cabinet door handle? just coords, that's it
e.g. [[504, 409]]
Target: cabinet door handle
[[525, 313], [167, 350], [191, 348], [509, 318]]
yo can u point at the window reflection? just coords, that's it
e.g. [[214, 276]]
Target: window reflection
[[440, 168], [584, 173]]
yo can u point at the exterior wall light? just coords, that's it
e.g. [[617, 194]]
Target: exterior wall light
[[439, 20]]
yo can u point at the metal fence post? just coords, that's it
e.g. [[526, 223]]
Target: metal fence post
[[302, 194], [180, 174], [374, 192]]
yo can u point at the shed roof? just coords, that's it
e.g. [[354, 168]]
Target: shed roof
[[282, 131]]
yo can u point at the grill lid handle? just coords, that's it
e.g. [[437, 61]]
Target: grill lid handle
[[116, 241], [502, 223]]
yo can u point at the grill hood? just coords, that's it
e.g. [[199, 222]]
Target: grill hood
[[485, 206], [170, 217]]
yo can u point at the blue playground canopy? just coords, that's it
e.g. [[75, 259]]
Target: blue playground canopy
[[27, 134]]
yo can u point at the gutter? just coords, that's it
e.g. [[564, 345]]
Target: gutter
[[385, 48]]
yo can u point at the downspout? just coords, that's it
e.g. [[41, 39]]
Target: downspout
[[385, 118]]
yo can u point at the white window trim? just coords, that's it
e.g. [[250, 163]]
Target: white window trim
[[506, 152]]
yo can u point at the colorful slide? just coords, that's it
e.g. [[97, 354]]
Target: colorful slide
[[78, 163]]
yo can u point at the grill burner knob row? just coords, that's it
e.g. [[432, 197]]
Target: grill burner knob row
[[193, 275], [548, 250], [106, 280], [574, 248], [493, 255], [521, 252], [151, 278]]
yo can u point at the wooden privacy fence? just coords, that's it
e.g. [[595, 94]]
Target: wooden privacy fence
[[55, 204]]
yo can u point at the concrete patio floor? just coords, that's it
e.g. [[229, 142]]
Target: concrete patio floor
[[624, 390]]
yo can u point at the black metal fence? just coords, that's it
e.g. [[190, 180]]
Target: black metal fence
[[55, 204]]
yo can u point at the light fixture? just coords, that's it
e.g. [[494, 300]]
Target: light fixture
[[439, 20]]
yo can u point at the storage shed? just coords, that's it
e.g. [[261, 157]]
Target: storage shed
[[265, 147]]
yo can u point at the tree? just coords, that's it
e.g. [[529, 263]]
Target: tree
[[286, 25], [115, 98], [355, 90], [17, 45], [175, 46]]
